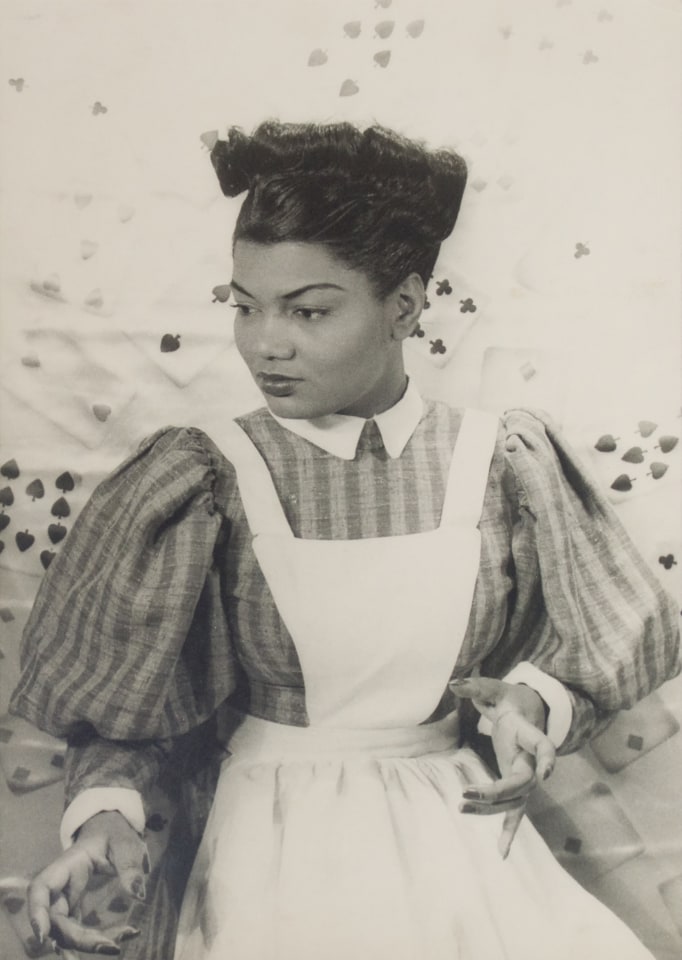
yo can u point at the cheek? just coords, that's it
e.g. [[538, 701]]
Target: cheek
[[354, 364], [342, 358], [242, 338], [369, 346], [363, 339]]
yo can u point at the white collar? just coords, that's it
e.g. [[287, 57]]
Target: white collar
[[338, 433]]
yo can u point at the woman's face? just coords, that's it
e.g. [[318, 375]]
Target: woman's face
[[313, 332]]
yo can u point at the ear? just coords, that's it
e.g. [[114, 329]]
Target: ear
[[407, 302]]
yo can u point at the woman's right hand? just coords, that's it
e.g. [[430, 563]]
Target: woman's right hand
[[106, 844]]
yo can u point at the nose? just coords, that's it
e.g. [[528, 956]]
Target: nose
[[274, 340]]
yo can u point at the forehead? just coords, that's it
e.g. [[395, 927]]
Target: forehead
[[280, 268]]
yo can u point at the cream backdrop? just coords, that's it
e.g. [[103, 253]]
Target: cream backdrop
[[560, 288]]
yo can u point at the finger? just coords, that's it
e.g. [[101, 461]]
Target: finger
[[39, 916], [122, 933], [515, 736], [485, 691], [71, 935], [545, 758], [512, 821], [130, 858], [516, 782], [105, 940], [491, 809], [534, 741], [516, 786], [78, 880], [41, 891]]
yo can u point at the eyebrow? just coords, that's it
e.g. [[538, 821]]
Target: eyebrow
[[294, 293]]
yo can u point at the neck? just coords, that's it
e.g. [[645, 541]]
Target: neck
[[368, 407]]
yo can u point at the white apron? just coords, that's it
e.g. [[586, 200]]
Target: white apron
[[343, 840]]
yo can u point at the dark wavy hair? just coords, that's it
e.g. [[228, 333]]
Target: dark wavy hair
[[380, 202]]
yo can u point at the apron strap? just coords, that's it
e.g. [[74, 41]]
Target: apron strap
[[263, 510], [469, 467]]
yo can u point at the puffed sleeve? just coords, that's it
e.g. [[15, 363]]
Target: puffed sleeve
[[587, 609], [127, 636]]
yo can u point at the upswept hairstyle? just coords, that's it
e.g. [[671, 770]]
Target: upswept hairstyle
[[380, 202]]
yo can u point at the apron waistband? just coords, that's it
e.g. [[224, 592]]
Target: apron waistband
[[256, 740]]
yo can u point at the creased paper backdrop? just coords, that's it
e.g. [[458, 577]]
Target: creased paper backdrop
[[560, 288]]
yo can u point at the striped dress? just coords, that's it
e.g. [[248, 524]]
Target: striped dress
[[156, 614]]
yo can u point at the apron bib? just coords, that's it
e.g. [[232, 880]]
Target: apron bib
[[377, 622]]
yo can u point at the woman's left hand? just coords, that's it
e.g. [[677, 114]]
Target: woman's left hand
[[525, 754]]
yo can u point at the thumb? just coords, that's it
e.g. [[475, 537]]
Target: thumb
[[485, 692], [130, 858]]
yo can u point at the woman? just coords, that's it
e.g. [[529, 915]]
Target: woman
[[316, 595]]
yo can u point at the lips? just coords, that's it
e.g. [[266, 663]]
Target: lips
[[276, 384]]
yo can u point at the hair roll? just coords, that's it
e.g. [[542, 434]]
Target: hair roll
[[381, 202]]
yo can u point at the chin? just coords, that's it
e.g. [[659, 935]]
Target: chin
[[292, 408]]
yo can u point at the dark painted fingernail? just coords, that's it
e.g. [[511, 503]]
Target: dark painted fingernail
[[107, 949], [146, 866], [467, 808], [127, 934], [547, 773], [36, 932], [472, 795]]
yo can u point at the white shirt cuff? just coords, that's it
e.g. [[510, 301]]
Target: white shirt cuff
[[126, 801], [552, 692]]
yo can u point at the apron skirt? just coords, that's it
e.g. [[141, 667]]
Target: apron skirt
[[348, 844]]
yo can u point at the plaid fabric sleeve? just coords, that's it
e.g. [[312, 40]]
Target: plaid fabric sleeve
[[106, 763], [588, 610], [172, 763], [128, 635]]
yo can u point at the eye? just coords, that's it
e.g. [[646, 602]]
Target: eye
[[243, 309], [310, 313]]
